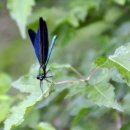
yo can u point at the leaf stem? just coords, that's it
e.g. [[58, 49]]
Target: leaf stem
[[82, 78]]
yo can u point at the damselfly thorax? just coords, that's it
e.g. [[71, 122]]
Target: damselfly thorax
[[42, 73]]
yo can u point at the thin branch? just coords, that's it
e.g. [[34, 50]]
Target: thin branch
[[82, 79], [92, 72], [76, 72]]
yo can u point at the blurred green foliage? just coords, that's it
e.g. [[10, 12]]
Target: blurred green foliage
[[92, 44]]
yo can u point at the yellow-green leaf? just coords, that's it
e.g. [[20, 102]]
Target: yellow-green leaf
[[27, 84], [45, 126], [20, 11]]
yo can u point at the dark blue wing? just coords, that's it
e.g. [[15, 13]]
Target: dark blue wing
[[40, 42], [36, 45], [32, 35], [50, 48], [35, 41], [43, 41]]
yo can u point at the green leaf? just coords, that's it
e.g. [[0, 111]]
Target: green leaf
[[103, 95], [100, 60], [122, 57], [27, 84], [5, 106], [88, 4], [79, 116], [120, 2], [5, 82], [121, 60], [113, 14], [93, 29], [45, 126], [76, 12], [79, 10], [32, 118], [125, 103], [20, 11], [100, 91]]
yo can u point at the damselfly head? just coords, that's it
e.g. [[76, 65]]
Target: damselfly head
[[40, 77]]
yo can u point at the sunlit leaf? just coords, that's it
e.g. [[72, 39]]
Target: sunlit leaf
[[30, 85], [121, 2], [100, 91], [5, 107], [126, 106], [32, 118], [103, 95], [100, 60], [45, 126], [113, 14], [121, 60], [5, 82], [20, 11]]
